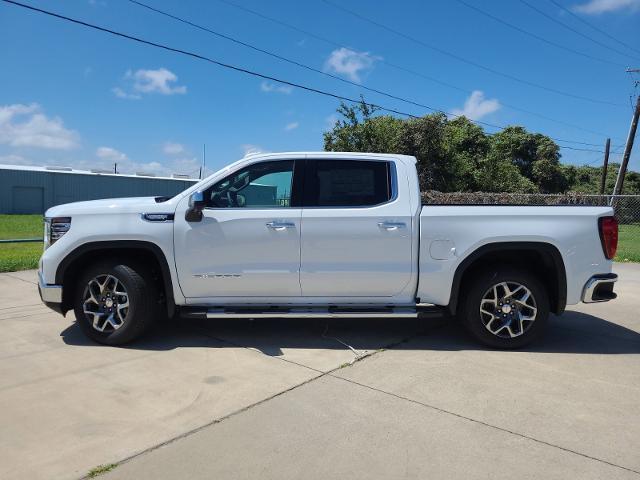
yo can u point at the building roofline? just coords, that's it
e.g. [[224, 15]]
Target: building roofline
[[75, 171]]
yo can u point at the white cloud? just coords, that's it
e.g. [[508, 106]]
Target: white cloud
[[36, 130], [108, 153], [291, 126], [160, 81], [13, 159], [120, 93], [350, 63], [156, 81], [269, 87], [250, 149], [476, 106], [596, 7], [170, 148]]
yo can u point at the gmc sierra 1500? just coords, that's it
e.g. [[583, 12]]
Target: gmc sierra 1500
[[322, 235]]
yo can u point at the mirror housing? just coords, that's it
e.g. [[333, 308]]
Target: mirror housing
[[196, 205]]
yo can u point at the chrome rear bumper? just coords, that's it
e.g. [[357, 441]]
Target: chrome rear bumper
[[599, 288]]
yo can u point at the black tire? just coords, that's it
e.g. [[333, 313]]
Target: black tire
[[480, 285], [143, 302]]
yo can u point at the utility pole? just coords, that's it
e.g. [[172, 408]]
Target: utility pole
[[627, 149], [605, 165]]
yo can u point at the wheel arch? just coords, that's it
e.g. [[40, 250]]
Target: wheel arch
[[138, 250], [543, 258]]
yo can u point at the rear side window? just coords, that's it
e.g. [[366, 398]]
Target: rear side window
[[347, 183]]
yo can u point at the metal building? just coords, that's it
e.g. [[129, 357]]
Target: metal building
[[35, 189]]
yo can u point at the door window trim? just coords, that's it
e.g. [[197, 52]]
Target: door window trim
[[393, 178], [297, 178]]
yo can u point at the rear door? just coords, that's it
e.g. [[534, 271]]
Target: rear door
[[356, 234]]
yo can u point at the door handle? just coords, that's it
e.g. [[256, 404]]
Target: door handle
[[280, 226], [391, 226]]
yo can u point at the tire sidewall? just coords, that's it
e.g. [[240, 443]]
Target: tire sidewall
[[137, 303], [483, 282]]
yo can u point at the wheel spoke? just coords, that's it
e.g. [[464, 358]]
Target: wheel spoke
[[105, 303], [508, 309]]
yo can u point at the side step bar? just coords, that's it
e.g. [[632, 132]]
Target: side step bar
[[311, 312]]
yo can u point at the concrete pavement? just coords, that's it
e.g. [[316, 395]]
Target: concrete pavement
[[240, 399]]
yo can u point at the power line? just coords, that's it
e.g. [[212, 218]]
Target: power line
[[302, 65], [465, 60], [577, 32], [216, 62], [335, 77], [536, 36], [603, 32], [404, 69]]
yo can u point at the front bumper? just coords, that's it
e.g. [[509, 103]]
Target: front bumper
[[599, 288], [51, 295]]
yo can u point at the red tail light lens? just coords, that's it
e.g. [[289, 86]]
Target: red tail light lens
[[608, 227]]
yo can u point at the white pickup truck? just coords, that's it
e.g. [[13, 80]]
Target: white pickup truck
[[322, 234]]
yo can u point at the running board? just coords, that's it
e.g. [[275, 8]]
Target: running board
[[310, 312]]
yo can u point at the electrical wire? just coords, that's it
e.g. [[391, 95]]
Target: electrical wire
[[402, 68], [465, 60], [577, 32], [603, 32], [536, 36], [335, 77], [222, 64]]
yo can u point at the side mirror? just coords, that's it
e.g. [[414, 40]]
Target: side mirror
[[196, 205]]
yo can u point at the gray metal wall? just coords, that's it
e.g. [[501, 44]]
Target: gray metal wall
[[28, 191]]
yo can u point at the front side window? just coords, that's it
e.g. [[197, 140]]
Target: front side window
[[348, 183], [261, 185]]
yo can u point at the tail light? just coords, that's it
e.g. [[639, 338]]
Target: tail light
[[608, 227]]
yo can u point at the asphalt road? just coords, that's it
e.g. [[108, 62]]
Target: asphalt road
[[287, 398]]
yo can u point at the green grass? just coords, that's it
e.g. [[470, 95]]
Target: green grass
[[21, 226], [100, 469], [19, 256], [628, 244]]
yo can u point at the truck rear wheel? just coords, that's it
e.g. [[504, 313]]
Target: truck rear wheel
[[115, 303], [505, 307]]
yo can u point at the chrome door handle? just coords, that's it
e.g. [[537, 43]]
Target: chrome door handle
[[391, 226], [280, 226]]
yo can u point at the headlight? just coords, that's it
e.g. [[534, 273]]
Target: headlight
[[54, 229]]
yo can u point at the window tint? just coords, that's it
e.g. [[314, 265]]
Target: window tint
[[265, 184], [348, 183]]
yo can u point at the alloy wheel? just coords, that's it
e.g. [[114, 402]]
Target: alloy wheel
[[508, 309], [105, 303]]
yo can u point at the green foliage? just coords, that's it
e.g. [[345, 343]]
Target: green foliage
[[457, 155], [101, 469]]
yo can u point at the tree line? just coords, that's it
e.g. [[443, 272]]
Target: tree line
[[456, 155]]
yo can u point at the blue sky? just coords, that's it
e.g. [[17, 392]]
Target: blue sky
[[72, 96]]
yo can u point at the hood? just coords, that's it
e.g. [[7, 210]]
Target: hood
[[111, 206]]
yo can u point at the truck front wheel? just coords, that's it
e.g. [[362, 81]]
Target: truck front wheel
[[115, 303], [505, 307]]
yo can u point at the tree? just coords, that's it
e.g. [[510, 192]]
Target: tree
[[457, 155], [360, 131], [536, 156]]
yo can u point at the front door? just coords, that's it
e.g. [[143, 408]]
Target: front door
[[356, 235], [248, 242]]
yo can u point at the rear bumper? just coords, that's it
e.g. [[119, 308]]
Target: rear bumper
[[51, 295], [599, 288]]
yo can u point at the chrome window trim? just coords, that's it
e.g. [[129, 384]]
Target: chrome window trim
[[394, 186]]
